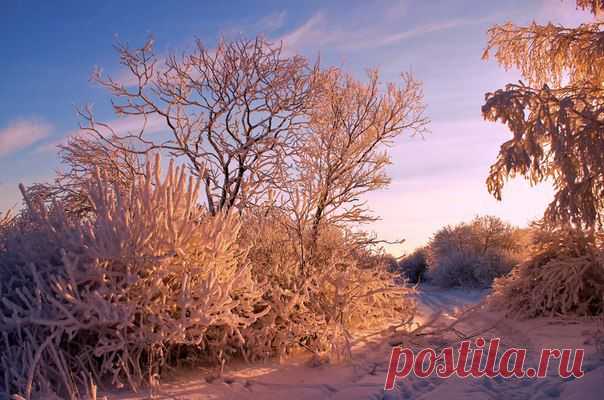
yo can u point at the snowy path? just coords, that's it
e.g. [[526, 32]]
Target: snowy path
[[364, 378], [532, 335]]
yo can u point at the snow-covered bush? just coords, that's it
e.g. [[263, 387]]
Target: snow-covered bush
[[146, 278], [353, 292], [474, 253], [564, 274], [413, 267], [315, 310]]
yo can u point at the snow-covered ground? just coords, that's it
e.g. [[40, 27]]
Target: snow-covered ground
[[364, 377]]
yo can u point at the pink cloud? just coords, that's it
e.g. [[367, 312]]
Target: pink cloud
[[21, 134]]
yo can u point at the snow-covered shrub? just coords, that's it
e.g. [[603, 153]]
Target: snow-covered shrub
[[474, 253], [275, 264], [353, 292], [316, 310], [146, 278], [413, 267], [563, 274]]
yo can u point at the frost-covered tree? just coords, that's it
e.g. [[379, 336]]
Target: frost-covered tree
[[556, 114], [230, 112], [343, 152], [351, 124]]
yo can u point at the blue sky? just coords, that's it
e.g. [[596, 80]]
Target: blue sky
[[49, 50]]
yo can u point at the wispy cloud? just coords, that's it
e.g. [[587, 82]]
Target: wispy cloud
[[393, 38], [254, 25], [21, 134], [309, 32], [271, 22], [121, 126], [319, 31]]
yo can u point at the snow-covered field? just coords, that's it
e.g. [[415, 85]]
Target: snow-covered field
[[363, 378]]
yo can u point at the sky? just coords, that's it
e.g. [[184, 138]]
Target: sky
[[50, 49]]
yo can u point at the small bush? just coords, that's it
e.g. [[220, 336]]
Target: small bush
[[563, 274], [473, 254], [413, 267]]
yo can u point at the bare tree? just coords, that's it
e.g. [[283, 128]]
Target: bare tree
[[230, 111], [556, 117], [343, 152]]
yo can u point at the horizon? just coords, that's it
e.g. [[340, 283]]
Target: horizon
[[437, 180]]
